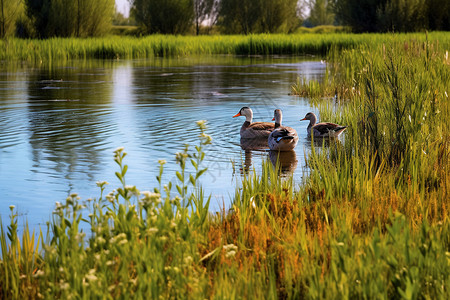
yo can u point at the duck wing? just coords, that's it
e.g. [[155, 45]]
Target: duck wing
[[282, 134], [261, 126], [324, 128]]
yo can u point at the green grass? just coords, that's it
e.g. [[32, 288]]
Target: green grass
[[370, 218], [115, 47]]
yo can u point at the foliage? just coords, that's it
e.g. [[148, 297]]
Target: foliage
[[68, 18], [393, 15], [321, 12], [258, 16], [11, 11], [164, 16], [205, 11]]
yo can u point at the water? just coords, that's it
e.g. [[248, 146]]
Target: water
[[59, 125]]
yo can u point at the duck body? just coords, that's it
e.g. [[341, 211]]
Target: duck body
[[324, 129], [251, 130], [282, 138]]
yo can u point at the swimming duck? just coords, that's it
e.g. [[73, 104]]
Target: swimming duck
[[282, 138], [253, 130], [322, 129]]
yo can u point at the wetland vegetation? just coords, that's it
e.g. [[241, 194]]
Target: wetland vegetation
[[370, 219]]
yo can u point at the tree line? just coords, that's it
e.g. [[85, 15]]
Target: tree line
[[85, 18]]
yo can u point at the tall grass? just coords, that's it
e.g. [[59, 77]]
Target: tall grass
[[370, 218], [115, 47]]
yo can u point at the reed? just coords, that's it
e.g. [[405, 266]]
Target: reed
[[58, 50]]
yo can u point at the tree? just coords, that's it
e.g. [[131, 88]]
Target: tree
[[402, 15], [321, 12], [163, 16], [361, 15], [204, 10], [80, 18], [250, 16], [10, 12]]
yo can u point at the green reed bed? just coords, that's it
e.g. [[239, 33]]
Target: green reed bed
[[370, 218], [117, 47]]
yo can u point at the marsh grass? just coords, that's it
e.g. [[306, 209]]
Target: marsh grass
[[370, 218], [59, 50]]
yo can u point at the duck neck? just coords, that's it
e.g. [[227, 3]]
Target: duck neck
[[312, 121], [278, 118], [249, 117]]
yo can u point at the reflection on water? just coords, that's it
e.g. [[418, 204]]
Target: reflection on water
[[59, 125], [286, 161]]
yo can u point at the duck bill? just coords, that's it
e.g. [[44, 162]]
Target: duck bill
[[273, 119], [303, 119], [237, 115]]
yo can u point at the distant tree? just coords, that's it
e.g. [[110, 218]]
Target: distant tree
[[163, 16], [321, 12], [361, 15], [239, 16], [204, 10], [10, 12], [249, 16], [279, 15], [393, 15], [438, 13], [67, 18], [402, 15]]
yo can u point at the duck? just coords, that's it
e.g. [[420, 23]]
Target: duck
[[324, 129], [282, 138], [251, 130]]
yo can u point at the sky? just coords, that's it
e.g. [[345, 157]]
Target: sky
[[123, 6]]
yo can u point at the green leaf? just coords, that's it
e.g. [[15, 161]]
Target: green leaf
[[180, 177], [194, 163], [199, 173], [124, 170], [192, 179]]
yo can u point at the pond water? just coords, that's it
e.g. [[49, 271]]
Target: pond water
[[59, 125]]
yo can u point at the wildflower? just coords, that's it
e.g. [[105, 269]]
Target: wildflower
[[122, 242], [39, 273], [152, 230], [110, 263], [201, 123], [11, 207], [162, 161], [64, 285], [230, 247], [101, 183], [120, 149], [91, 277], [188, 260], [230, 254]]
